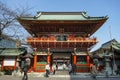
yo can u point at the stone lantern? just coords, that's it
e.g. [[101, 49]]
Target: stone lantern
[[107, 65]]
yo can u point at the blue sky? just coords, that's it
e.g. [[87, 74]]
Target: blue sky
[[92, 7]]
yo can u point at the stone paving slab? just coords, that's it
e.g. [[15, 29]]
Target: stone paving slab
[[8, 77], [77, 75]]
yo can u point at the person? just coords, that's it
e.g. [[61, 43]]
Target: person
[[95, 59], [54, 68], [64, 66], [47, 68], [70, 68], [74, 69], [22, 66], [28, 61], [17, 66], [25, 68], [94, 71]]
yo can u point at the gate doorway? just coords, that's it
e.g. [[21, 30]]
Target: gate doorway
[[61, 59]]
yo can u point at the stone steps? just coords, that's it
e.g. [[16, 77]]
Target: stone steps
[[62, 72]]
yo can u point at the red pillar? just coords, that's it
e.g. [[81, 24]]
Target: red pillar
[[88, 59], [74, 56], [48, 56], [35, 61]]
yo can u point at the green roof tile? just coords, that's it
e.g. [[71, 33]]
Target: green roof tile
[[62, 16], [9, 52]]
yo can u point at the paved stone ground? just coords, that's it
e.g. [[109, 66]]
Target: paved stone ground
[[8, 77], [40, 76]]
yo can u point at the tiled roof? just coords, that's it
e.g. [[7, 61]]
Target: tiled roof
[[10, 51], [62, 16]]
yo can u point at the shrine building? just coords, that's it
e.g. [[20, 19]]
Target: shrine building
[[62, 37]]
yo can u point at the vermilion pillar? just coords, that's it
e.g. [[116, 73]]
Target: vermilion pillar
[[74, 56], [88, 57], [35, 61], [48, 56]]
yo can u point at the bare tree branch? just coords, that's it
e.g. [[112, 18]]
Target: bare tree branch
[[8, 18]]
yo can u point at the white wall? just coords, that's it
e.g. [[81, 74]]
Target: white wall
[[9, 62]]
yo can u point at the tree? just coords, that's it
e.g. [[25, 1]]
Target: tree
[[8, 18]]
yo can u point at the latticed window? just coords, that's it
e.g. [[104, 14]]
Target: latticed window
[[61, 37], [41, 59], [81, 59]]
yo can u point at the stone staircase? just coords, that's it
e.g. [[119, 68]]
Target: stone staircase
[[62, 72]]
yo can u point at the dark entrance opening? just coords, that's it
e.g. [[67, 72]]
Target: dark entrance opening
[[61, 58]]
